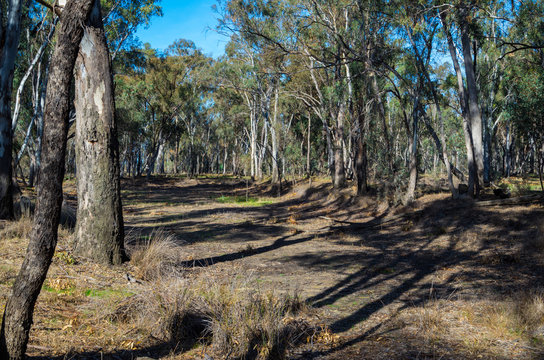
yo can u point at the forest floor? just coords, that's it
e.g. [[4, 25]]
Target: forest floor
[[447, 280]]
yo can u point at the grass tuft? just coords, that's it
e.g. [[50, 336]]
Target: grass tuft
[[157, 257], [233, 320]]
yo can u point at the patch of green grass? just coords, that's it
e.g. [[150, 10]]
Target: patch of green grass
[[520, 186], [60, 291], [107, 293], [245, 201]]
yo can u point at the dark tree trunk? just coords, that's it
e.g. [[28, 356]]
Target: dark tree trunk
[[9, 42], [43, 239], [99, 233], [339, 179], [361, 160]]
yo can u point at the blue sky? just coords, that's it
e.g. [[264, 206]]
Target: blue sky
[[185, 19]]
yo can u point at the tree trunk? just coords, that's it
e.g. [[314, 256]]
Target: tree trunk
[[412, 182], [473, 106], [361, 160], [381, 109], [541, 166], [253, 143], [309, 146], [262, 152], [43, 238], [463, 101], [9, 42], [159, 161], [274, 139], [99, 233], [339, 179]]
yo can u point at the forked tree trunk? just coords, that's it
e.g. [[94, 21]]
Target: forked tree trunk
[[473, 107], [43, 239], [99, 231], [463, 101], [9, 41]]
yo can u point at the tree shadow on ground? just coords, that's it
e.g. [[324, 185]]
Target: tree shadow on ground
[[445, 250]]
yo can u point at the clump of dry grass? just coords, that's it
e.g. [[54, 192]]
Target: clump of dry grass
[[252, 324], [515, 321], [19, 229], [525, 313], [157, 257], [230, 317]]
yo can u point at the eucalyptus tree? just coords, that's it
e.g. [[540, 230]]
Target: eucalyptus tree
[[26, 288], [523, 53], [170, 89], [10, 29], [33, 63], [99, 232], [461, 16], [123, 17]]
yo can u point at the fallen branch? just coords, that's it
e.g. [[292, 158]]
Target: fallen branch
[[374, 222]]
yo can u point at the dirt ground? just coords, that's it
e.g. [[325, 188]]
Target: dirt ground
[[360, 280], [443, 281]]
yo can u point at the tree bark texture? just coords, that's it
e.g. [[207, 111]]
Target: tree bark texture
[[463, 101], [474, 111], [9, 42], [339, 179], [412, 182], [99, 231], [43, 239]]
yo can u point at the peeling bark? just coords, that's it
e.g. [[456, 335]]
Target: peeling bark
[[99, 233]]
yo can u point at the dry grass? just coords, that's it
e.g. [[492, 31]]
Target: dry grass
[[16, 230], [494, 328], [519, 316], [84, 307], [157, 256], [228, 316]]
